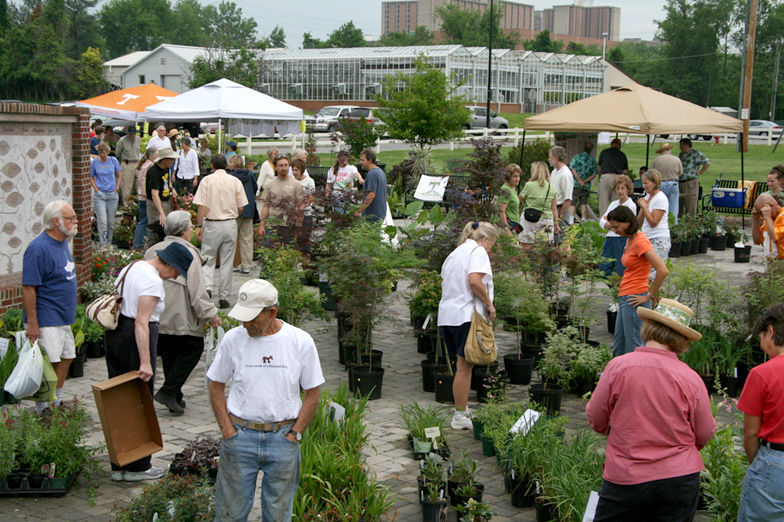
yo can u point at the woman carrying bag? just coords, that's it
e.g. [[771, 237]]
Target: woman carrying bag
[[539, 206], [467, 285]]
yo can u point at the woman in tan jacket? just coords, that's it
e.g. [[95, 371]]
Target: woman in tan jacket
[[188, 310]]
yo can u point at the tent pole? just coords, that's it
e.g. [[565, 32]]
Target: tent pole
[[220, 137], [743, 183], [647, 148]]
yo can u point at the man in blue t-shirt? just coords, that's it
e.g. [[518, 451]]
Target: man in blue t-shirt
[[374, 207], [49, 291]]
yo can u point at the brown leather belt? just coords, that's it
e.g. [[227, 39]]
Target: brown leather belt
[[260, 426]]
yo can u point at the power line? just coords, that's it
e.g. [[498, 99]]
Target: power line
[[666, 59]]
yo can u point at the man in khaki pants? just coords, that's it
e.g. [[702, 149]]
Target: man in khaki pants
[[128, 152]]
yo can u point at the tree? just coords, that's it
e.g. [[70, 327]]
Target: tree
[[277, 37], [347, 35], [423, 108], [241, 65], [83, 30], [421, 36], [308, 42], [228, 29], [472, 28], [543, 43], [583, 50], [89, 75], [135, 25]]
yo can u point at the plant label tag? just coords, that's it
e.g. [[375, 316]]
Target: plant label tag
[[338, 411], [590, 509], [427, 321], [3, 348], [526, 422], [433, 433]]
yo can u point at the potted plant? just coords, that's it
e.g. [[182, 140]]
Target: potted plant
[[732, 226], [742, 248], [423, 303], [678, 239], [729, 352], [416, 420], [700, 357], [462, 473], [555, 368], [171, 498], [475, 511], [362, 271], [433, 493], [587, 365]]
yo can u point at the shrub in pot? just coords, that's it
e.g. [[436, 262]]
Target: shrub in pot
[[587, 365], [416, 419], [433, 492], [462, 472]]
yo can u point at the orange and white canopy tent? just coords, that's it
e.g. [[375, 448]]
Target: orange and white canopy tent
[[127, 104]]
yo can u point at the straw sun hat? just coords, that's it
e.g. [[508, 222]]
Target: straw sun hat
[[673, 315]]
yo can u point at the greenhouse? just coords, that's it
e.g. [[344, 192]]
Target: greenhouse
[[536, 80]]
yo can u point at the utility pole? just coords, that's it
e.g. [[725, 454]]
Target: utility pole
[[772, 116], [604, 45], [490, 67], [744, 113]]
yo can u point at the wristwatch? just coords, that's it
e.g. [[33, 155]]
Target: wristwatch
[[296, 434]]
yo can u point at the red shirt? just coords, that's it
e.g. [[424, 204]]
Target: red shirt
[[638, 268], [658, 413], [761, 397]]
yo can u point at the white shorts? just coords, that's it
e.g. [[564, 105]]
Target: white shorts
[[58, 341], [531, 230]]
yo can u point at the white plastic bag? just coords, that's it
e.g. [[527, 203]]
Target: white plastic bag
[[25, 380], [210, 349]]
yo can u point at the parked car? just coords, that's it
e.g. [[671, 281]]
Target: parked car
[[369, 114], [326, 119], [764, 128], [479, 119]]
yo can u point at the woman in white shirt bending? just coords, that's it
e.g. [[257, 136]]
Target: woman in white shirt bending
[[612, 249]]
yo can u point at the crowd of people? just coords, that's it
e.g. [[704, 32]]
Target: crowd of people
[[654, 409]]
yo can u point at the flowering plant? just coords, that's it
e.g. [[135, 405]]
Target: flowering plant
[[108, 261]]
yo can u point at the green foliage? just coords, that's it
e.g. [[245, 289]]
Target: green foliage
[[544, 43], [8, 363], [416, 418], [433, 478], [423, 108], [474, 511], [347, 35], [536, 150], [239, 65], [763, 289], [487, 174], [560, 351], [521, 300], [581, 49], [277, 38], [463, 468], [172, 498], [283, 268], [471, 28], [89, 76], [335, 484], [358, 134], [427, 296], [421, 36]]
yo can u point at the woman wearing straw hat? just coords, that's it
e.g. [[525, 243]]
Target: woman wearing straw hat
[[762, 497], [657, 413]]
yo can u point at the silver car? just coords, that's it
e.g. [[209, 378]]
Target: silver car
[[326, 119], [764, 128], [479, 119]]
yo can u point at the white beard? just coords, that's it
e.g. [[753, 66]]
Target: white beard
[[68, 233]]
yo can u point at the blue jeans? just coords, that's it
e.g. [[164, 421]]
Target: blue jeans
[[241, 457], [762, 496], [627, 326], [612, 249], [672, 190], [105, 204], [140, 234]]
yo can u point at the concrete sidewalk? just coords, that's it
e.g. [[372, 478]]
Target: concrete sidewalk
[[388, 454]]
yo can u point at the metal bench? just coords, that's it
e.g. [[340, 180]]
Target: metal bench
[[750, 197], [318, 173]]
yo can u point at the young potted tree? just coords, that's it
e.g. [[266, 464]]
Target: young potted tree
[[424, 302], [462, 484], [555, 368], [433, 491]]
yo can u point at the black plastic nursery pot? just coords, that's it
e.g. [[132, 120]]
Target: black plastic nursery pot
[[521, 490], [482, 392], [368, 381], [685, 248], [488, 448], [428, 369], [612, 317], [549, 397], [426, 340], [675, 249], [76, 368], [94, 350], [729, 383], [743, 254], [518, 369], [703, 246], [479, 372], [718, 243], [478, 426], [544, 512], [534, 351], [695, 247], [434, 511], [459, 499], [326, 291], [443, 383]]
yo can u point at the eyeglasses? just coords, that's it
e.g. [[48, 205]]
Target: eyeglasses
[[72, 219]]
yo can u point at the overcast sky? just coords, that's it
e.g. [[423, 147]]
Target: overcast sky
[[321, 17]]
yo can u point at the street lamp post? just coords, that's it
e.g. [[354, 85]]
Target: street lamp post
[[604, 45], [490, 67]]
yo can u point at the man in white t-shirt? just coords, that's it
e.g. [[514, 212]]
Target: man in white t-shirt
[[561, 179], [268, 361]]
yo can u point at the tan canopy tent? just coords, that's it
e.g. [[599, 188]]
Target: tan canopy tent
[[635, 109]]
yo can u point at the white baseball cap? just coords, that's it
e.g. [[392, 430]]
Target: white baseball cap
[[254, 296]]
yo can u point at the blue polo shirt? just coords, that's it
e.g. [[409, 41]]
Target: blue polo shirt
[[47, 265]]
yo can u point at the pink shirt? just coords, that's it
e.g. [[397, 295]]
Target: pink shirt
[[658, 413]]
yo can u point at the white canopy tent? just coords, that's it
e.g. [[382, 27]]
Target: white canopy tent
[[226, 100]]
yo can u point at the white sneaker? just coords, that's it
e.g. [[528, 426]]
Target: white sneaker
[[118, 476], [460, 421], [151, 474]]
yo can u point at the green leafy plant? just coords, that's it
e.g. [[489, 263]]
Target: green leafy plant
[[415, 419], [474, 511], [463, 468], [357, 133], [520, 300], [11, 323], [560, 351], [172, 498], [432, 477], [700, 355], [427, 294], [591, 361]]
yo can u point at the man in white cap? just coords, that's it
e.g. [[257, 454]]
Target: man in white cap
[[262, 422], [671, 170]]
